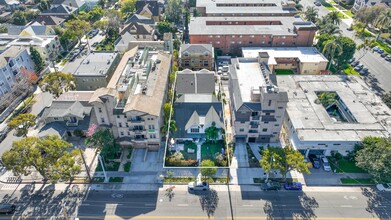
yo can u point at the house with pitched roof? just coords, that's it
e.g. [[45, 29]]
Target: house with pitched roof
[[136, 18], [196, 56], [149, 8]]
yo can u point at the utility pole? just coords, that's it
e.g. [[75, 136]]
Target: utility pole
[[85, 165], [103, 167]]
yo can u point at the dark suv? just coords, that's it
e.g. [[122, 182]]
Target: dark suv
[[7, 208], [315, 161]]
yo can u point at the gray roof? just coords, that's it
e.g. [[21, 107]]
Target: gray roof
[[60, 9], [184, 110], [140, 19], [198, 26], [96, 64], [49, 20], [11, 52], [196, 48], [65, 108], [199, 82]]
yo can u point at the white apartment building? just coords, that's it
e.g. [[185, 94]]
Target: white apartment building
[[12, 62], [131, 104]]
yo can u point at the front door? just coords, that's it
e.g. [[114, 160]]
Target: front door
[[251, 139]]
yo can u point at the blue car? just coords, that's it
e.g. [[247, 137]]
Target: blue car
[[293, 186]]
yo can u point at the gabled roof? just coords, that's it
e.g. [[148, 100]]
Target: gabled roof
[[140, 29], [140, 19], [196, 48], [152, 6], [65, 108], [9, 2], [36, 29], [194, 120], [73, 3], [197, 82], [59, 9], [49, 20], [212, 116], [11, 52]]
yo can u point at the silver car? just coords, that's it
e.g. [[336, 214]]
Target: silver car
[[325, 164], [198, 186]]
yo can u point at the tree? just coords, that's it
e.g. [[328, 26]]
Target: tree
[[166, 126], [19, 18], [331, 49], [165, 27], [128, 6], [367, 15], [102, 3], [22, 123], [43, 5], [330, 29], [334, 17], [208, 169], [39, 63], [383, 21], [366, 46], [75, 29], [3, 29], [283, 159], [95, 14], [101, 24], [167, 110], [57, 83], [387, 99], [348, 51], [212, 133], [311, 13], [373, 155], [173, 11], [104, 142], [49, 156]]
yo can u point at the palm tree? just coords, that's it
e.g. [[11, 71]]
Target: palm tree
[[383, 21], [359, 29], [165, 127], [366, 46], [212, 133], [334, 17], [330, 29], [311, 13], [321, 22], [332, 48]]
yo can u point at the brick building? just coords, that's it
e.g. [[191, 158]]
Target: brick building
[[229, 34]]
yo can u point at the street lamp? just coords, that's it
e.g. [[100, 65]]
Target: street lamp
[[103, 167]]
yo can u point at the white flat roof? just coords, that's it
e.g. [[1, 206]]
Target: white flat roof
[[249, 77], [304, 54], [311, 121]]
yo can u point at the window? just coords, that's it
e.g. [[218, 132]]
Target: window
[[151, 127], [280, 107], [250, 42], [240, 36], [152, 136], [240, 42], [56, 119], [100, 110], [267, 113], [233, 36], [276, 125], [127, 125], [120, 124], [195, 130], [102, 120], [210, 36], [122, 133], [241, 130], [264, 130], [118, 116], [218, 42], [283, 43], [218, 36], [270, 103], [129, 133], [206, 63]]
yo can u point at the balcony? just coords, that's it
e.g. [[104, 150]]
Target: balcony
[[135, 120], [253, 125], [72, 124], [253, 131]]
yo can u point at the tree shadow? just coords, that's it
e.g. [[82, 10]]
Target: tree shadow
[[283, 204], [209, 201], [376, 203]]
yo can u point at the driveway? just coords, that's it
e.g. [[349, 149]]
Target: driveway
[[319, 177]]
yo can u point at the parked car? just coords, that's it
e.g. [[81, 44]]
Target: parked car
[[384, 55], [95, 44], [384, 187], [317, 3], [355, 63], [315, 161], [358, 68], [271, 185], [388, 58], [364, 71], [7, 208], [293, 186], [224, 76], [350, 28], [375, 49], [352, 60], [325, 164], [380, 51], [198, 186]]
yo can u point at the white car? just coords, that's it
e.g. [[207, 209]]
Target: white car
[[325, 164], [224, 76], [198, 186], [384, 187]]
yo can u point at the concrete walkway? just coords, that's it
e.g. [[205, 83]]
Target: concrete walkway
[[199, 152]]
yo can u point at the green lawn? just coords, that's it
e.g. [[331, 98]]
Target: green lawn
[[349, 13], [342, 16], [357, 181], [209, 150], [190, 156], [328, 6], [345, 166], [284, 72], [384, 46], [350, 71]]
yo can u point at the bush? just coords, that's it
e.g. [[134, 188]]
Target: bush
[[130, 149], [181, 163], [116, 179], [127, 166]]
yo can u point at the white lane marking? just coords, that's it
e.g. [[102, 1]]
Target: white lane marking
[[346, 206], [183, 204], [248, 205]]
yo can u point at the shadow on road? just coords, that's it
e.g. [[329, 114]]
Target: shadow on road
[[281, 205], [376, 203], [209, 202]]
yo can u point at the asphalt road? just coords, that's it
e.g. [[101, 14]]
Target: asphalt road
[[245, 205], [380, 70]]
